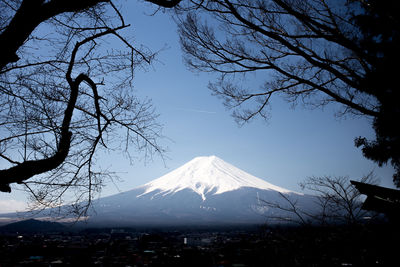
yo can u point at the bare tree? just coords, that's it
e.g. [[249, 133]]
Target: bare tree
[[287, 211], [315, 52], [336, 199], [66, 96]]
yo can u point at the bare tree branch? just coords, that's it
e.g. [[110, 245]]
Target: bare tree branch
[[64, 99], [315, 52]]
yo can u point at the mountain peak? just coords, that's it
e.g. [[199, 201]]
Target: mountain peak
[[207, 175], [205, 159]]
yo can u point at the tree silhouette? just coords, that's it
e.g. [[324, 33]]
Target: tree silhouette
[[337, 201], [66, 95], [314, 52]]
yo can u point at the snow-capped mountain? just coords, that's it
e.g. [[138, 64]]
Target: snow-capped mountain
[[207, 175], [206, 190]]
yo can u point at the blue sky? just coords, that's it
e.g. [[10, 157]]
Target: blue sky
[[292, 145]]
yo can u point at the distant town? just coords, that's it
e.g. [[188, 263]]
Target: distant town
[[247, 246]]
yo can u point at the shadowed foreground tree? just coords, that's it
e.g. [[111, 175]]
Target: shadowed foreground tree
[[316, 52], [337, 202], [66, 96]]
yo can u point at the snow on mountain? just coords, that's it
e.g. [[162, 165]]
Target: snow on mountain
[[207, 175]]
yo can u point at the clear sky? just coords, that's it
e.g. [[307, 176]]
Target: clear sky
[[292, 145]]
